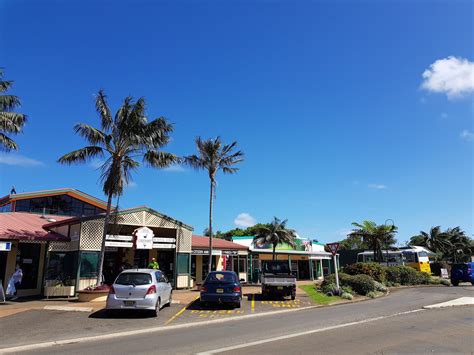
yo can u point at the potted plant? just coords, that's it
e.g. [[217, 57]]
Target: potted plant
[[93, 293], [59, 287]]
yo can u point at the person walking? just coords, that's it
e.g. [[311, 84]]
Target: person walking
[[153, 264], [15, 282]]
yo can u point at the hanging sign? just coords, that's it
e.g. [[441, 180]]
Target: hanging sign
[[122, 238], [118, 244], [164, 240], [163, 246], [143, 238]]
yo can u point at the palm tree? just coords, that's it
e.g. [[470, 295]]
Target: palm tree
[[120, 140], [461, 245], [375, 236], [436, 240], [213, 156], [10, 122], [275, 233]]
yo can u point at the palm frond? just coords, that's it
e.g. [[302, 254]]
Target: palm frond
[[7, 144], [81, 155], [91, 134], [12, 122], [9, 102], [104, 111], [159, 159]]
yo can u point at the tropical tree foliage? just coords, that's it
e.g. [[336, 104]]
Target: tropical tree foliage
[[374, 236], [452, 244], [11, 122], [214, 156], [120, 141], [275, 233]]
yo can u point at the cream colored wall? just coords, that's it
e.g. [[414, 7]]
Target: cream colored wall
[[198, 268], [219, 263]]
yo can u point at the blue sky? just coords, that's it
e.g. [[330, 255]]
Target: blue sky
[[325, 98]]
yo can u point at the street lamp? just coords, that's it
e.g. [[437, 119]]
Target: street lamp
[[392, 223]]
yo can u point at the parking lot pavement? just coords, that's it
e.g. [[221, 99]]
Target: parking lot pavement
[[252, 303]]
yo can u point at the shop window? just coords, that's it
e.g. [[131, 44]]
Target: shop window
[[61, 269], [89, 264], [183, 263], [6, 208], [242, 264]]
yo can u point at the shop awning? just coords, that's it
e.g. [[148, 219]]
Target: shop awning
[[28, 226]]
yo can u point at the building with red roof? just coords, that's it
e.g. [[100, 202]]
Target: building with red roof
[[226, 255]]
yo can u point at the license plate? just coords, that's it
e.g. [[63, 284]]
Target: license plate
[[280, 288], [220, 290], [129, 303]]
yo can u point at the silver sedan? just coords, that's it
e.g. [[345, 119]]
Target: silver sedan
[[139, 289]]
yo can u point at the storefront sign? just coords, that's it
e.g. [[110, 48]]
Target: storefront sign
[[164, 240], [163, 246], [144, 238], [123, 238], [118, 244], [206, 252], [111, 249], [5, 246], [230, 252]]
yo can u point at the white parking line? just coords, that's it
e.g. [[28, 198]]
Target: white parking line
[[289, 336]]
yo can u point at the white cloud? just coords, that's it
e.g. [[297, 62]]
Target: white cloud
[[467, 135], [244, 220], [131, 184], [377, 186], [452, 76], [19, 160], [175, 169]]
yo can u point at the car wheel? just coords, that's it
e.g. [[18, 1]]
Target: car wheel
[[472, 283], [293, 295], [455, 283], [237, 305], [157, 308]]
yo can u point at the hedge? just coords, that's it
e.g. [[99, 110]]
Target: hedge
[[405, 275], [361, 284], [374, 270]]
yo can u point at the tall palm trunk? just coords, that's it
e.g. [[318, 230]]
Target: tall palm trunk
[[209, 266], [274, 252], [102, 247]]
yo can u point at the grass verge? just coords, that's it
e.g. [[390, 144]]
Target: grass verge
[[319, 297]]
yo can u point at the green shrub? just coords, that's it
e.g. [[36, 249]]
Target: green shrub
[[406, 275], [328, 288], [371, 294], [362, 284], [445, 282], [347, 296], [347, 289], [374, 270], [380, 287]]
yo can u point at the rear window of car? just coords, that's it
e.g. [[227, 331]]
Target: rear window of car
[[133, 278], [220, 277], [277, 268]]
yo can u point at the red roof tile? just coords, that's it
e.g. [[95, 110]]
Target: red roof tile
[[27, 226], [203, 243]]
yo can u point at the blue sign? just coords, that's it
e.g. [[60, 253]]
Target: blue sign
[[5, 246]]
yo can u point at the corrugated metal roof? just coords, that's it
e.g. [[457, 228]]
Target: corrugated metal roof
[[200, 242], [27, 226]]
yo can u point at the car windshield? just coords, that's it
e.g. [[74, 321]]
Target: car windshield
[[133, 278], [220, 277], [277, 268]]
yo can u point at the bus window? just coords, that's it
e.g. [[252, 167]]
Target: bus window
[[410, 257], [360, 258]]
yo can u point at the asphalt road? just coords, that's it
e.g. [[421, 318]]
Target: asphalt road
[[396, 324]]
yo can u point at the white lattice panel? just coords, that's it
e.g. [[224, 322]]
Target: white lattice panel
[[58, 246], [183, 240], [91, 235], [156, 221], [134, 219]]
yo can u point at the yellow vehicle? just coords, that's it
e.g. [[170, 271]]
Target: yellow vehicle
[[413, 256], [417, 258]]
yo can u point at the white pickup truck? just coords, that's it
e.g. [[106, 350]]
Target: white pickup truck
[[277, 280]]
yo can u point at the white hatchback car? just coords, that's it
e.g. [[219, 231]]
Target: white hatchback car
[[139, 289]]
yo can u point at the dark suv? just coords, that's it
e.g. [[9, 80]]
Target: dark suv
[[463, 272]]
